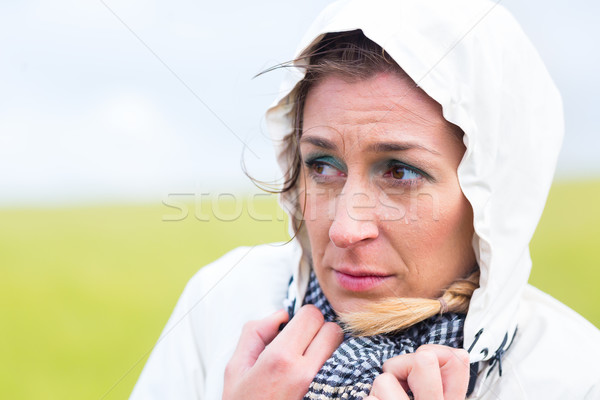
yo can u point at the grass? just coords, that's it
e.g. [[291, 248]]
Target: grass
[[85, 292], [566, 248]]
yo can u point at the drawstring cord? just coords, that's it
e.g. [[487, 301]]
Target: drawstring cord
[[497, 357]]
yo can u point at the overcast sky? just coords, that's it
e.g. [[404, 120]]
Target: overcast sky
[[132, 100]]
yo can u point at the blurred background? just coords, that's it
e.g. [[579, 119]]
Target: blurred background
[[122, 128]]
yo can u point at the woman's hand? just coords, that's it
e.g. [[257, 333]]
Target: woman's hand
[[268, 365], [433, 372]]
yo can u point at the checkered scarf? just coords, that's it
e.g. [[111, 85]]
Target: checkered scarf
[[349, 373]]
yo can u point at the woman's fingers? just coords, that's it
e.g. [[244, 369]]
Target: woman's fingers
[[329, 337], [308, 340], [432, 372], [256, 335], [280, 365], [454, 368], [420, 371], [387, 387], [299, 332]]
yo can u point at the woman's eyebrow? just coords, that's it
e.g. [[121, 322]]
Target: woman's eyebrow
[[382, 147], [319, 142], [379, 147]]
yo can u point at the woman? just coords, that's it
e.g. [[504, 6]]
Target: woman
[[418, 140]]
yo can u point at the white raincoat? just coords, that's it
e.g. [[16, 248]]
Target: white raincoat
[[472, 58]]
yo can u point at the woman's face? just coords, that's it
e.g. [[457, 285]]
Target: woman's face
[[384, 212]]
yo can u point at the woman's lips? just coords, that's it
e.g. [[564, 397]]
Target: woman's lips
[[359, 281]]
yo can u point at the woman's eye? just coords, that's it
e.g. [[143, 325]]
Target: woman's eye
[[403, 173], [322, 168]]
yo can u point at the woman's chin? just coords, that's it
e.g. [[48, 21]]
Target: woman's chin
[[347, 305]]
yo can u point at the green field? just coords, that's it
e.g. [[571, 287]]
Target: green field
[[85, 292]]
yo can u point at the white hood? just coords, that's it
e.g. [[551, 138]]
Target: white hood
[[472, 57]]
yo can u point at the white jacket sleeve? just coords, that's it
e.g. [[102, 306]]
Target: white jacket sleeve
[[174, 369], [190, 356]]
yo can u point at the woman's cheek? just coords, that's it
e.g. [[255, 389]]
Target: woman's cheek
[[392, 210], [426, 219], [318, 217], [318, 203]]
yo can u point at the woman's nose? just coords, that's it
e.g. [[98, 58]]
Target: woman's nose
[[355, 219]]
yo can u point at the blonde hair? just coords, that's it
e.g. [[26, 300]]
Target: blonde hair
[[396, 314]]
